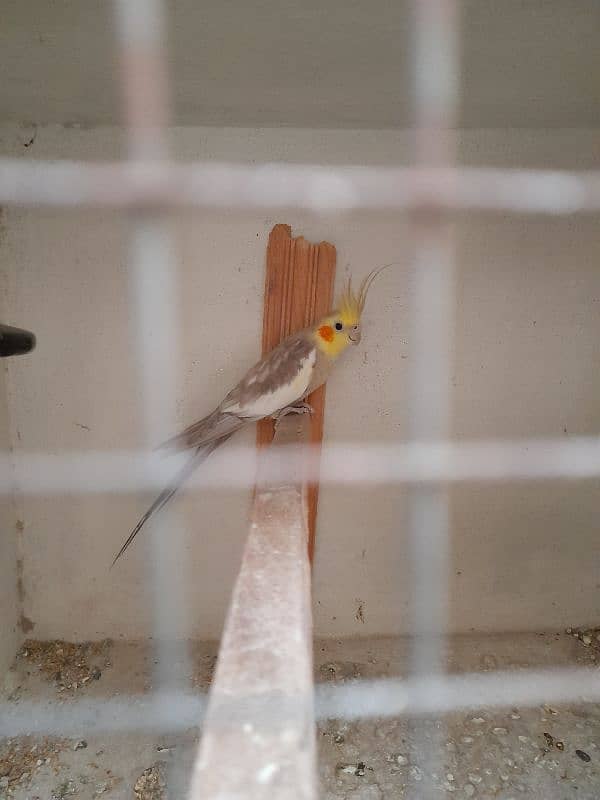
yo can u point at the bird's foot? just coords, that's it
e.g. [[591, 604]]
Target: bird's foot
[[297, 408]]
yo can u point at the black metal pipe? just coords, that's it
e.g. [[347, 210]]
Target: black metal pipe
[[15, 341]]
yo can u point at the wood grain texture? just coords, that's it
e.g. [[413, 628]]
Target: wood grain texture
[[298, 291]]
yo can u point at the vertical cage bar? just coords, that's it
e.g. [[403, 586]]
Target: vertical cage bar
[[142, 47], [436, 84]]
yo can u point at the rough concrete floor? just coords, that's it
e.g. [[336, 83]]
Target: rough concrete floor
[[538, 752], [501, 754]]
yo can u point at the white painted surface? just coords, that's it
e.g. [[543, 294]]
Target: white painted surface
[[528, 324], [345, 64], [261, 701]]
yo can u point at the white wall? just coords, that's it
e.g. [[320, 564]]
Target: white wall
[[528, 323]]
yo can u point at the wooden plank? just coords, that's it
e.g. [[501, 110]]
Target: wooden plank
[[258, 740], [298, 291]]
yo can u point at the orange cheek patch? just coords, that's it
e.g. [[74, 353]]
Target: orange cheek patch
[[326, 332]]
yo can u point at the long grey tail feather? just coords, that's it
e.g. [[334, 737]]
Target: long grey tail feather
[[163, 498]]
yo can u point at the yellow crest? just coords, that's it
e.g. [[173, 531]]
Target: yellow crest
[[351, 304]]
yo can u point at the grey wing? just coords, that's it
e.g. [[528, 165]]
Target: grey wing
[[279, 379], [277, 368]]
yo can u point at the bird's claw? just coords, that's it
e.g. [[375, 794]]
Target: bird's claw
[[298, 408]]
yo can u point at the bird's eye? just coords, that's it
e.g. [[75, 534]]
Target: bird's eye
[[338, 326]]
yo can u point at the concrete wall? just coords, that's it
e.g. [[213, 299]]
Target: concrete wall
[[523, 556], [533, 64], [10, 632]]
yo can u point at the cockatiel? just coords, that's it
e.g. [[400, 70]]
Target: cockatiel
[[277, 385]]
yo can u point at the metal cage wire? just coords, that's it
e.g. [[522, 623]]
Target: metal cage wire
[[149, 184]]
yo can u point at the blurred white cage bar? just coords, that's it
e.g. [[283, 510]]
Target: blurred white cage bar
[[68, 184], [436, 88], [148, 185], [140, 27], [411, 463]]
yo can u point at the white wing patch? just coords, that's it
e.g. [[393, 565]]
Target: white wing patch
[[282, 396]]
